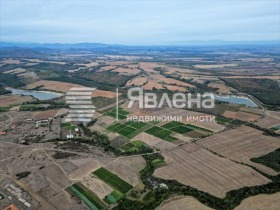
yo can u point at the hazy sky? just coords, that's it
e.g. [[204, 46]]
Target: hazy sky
[[138, 21]]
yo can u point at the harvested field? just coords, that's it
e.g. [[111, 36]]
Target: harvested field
[[200, 79], [149, 66], [103, 93], [52, 85], [97, 186], [127, 168], [183, 203], [15, 71], [192, 165], [152, 84], [42, 115], [221, 87], [261, 202], [171, 81], [268, 122], [14, 99], [11, 61], [212, 66], [138, 81], [244, 116], [257, 77], [126, 71], [107, 68], [148, 139], [251, 110], [244, 143], [175, 88]]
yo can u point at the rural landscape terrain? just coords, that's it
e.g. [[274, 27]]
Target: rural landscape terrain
[[110, 162]]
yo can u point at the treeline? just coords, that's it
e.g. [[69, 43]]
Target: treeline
[[265, 90], [11, 80], [3, 90]]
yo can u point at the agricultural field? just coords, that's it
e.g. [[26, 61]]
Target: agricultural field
[[270, 160], [128, 129], [122, 114], [8, 100], [182, 128], [260, 202], [52, 85], [244, 143], [188, 203], [241, 115], [87, 196], [134, 146], [161, 133], [113, 180], [192, 165]]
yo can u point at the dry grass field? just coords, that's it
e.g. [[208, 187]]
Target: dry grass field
[[6, 100], [212, 66], [127, 168], [268, 122], [128, 71], [15, 71], [171, 81], [103, 93], [152, 84], [175, 88], [138, 81], [192, 165], [242, 144], [53, 85], [148, 139], [182, 203], [244, 116], [261, 202], [42, 115], [97, 186], [221, 87]]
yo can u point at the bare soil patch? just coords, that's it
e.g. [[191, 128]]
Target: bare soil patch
[[186, 203], [52, 85], [242, 144], [14, 99], [260, 202], [192, 165], [249, 117]]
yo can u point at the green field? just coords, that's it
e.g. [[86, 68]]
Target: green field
[[113, 197], [276, 128], [161, 133], [158, 163], [182, 128], [222, 120], [4, 108], [115, 127], [66, 124], [113, 180], [136, 124], [128, 129], [121, 113], [29, 107], [172, 124], [134, 146], [88, 196]]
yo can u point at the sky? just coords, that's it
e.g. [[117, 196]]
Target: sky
[[141, 22]]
